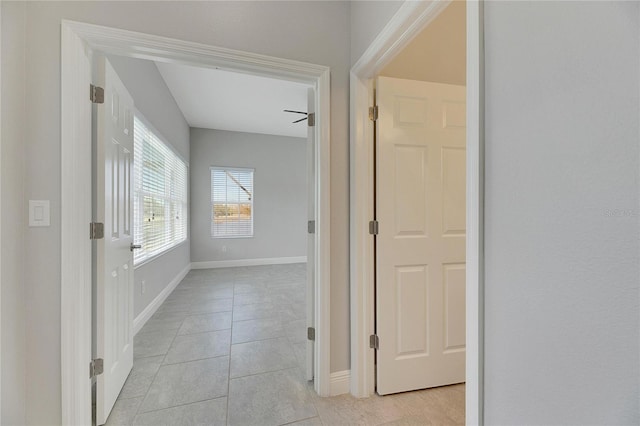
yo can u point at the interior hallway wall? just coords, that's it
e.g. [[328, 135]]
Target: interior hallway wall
[[280, 194], [153, 99], [562, 253], [316, 32], [14, 212]]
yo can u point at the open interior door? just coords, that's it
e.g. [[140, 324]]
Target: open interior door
[[420, 207], [114, 259], [311, 215]]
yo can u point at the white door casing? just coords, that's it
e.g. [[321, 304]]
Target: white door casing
[[420, 202], [311, 235], [114, 339]]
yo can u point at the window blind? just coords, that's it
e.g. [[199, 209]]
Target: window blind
[[231, 202], [160, 195]]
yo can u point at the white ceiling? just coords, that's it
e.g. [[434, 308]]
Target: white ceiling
[[217, 99]]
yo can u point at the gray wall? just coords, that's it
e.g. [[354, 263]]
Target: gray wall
[[367, 18], [14, 343], [562, 266], [280, 194], [153, 99], [293, 30]]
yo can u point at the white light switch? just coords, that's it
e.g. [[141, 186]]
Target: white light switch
[[39, 213]]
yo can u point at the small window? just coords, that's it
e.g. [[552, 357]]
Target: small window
[[231, 202]]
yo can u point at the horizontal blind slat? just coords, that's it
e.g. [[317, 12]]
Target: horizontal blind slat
[[231, 202], [160, 194]]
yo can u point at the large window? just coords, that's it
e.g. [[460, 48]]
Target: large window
[[231, 202], [160, 195]]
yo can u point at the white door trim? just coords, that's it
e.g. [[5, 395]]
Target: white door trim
[[411, 18], [475, 213], [75, 157], [76, 329], [0, 217]]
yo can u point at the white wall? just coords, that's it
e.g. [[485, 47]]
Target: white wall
[[367, 18], [314, 32], [153, 99], [280, 194], [562, 132], [14, 344]]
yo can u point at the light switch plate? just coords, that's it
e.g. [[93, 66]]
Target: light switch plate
[[39, 213]]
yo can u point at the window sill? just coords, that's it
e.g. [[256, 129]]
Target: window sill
[[158, 255]]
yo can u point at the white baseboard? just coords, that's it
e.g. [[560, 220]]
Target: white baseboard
[[247, 262], [340, 383], [152, 307]]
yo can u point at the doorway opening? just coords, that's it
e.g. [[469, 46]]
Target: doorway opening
[[240, 316], [409, 281], [79, 42]]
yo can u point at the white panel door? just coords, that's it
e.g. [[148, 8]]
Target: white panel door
[[114, 327], [311, 239], [420, 248]]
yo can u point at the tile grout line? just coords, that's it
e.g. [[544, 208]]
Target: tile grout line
[[170, 345], [301, 420], [195, 289], [181, 405], [226, 420], [204, 332], [161, 364], [154, 379], [265, 372]]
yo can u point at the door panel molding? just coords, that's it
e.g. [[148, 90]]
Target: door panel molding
[[78, 41], [411, 18], [113, 257], [411, 192]]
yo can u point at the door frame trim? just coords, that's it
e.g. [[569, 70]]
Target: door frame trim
[[76, 329], [0, 217], [409, 20]]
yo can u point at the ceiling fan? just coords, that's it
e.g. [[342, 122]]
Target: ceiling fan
[[306, 115]]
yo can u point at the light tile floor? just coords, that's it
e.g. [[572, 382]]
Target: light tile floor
[[228, 347]]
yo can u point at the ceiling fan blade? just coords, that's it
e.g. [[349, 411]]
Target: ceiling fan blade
[[297, 121], [295, 112]]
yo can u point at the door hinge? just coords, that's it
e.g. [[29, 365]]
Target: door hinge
[[311, 119], [373, 113], [96, 367], [96, 94], [373, 227], [96, 230], [311, 227], [374, 342], [311, 333]]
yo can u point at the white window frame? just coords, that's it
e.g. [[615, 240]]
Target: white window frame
[[140, 262], [253, 196]]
